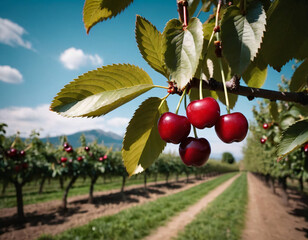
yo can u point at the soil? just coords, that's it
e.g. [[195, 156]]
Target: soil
[[268, 218], [178, 223], [45, 218]]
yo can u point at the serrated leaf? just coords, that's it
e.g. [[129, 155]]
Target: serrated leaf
[[286, 32], [274, 110], [100, 91], [150, 44], [294, 137], [242, 35], [256, 73], [183, 49], [299, 79], [95, 11], [142, 143]]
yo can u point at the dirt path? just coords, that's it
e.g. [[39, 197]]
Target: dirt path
[[45, 217], [178, 223], [268, 219]]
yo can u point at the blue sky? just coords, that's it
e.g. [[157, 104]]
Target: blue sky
[[43, 46]]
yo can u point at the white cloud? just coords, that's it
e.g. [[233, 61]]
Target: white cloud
[[11, 34], [73, 58], [40, 118], [10, 75]]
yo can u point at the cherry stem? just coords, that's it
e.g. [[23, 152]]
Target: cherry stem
[[179, 104], [195, 132], [200, 89], [158, 86], [163, 100], [219, 58]]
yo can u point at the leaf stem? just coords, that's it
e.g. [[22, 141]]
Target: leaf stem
[[163, 100], [179, 104], [158, 86]]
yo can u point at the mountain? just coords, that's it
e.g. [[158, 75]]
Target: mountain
[[107, 138]]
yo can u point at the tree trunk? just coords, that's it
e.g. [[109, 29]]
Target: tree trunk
[[301, 184], [145, 181], [177, 177], [187, 177], [64, 199], [93, 181], [273, 184], [123, 183], [155, 177], [20, 204], [167, 177], [5, 184], [285, 196], [61, 182], [42, 185]]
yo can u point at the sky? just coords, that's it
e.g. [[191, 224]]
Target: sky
[[44, 46]]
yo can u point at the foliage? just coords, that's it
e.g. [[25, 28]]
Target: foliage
[[228, 158], [241, 40]]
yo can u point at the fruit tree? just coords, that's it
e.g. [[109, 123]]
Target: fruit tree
[[205, 61]]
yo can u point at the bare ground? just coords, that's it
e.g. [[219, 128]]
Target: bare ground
[[178, 223], [46, 217], [268, 218]]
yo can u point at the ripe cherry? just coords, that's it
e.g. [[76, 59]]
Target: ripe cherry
[[80, 158], [173, 128], [63, 159], [87, 149], [17, 168], [265, 126], [195, 151], [263, 140], [69, 149], [12, 152], [66, 145], [105, 157], [306, 148], [232, 127], [203, 113], [22, 153], [101, 159]]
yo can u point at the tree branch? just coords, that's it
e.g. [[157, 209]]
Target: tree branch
[[251, 93]]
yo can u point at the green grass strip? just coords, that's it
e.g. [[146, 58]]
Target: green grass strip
[[224, 218], [138, 222]]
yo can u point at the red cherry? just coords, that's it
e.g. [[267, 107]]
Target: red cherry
[[306, 148], [87, 149], [63, 159], [69, 149], [263, 140], [101, 159], [12, 152], [265, 126], [66, 145], [17, 168], [105, 157], [195, 151], [80, 158], [232, 127], [203, 113], [173, 128], [22, 153]]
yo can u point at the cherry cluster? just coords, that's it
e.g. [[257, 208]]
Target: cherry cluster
[[204, 113], [19, 157], [263, 139]]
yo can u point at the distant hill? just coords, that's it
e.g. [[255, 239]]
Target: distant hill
[[107, 138]]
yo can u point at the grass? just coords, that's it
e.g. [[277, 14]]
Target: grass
[[224, 218], [52, 191], [138, 222]]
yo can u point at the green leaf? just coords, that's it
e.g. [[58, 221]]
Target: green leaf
[[142, 143], [294, 137], [274, 110], [192, 6], [256, 73], [194, 94], [242, 35], [95, 11], [286, 32], [299, 79], [183, 49], [150, 44], [101, 91], [232, 99]]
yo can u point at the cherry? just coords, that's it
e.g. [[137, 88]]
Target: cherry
[[232, 127], [80, 158], [105, 157], [101, 159], [25, 165], [194, 151], [66, 145], [22, 153], [173, 128], [203, 113], [17, 168], [12, 152], [69, 149], [87, 149], [63, 159], [306, 148], [265, 126], [263, 140]]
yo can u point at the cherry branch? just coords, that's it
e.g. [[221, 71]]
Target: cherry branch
[[250, 92]]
